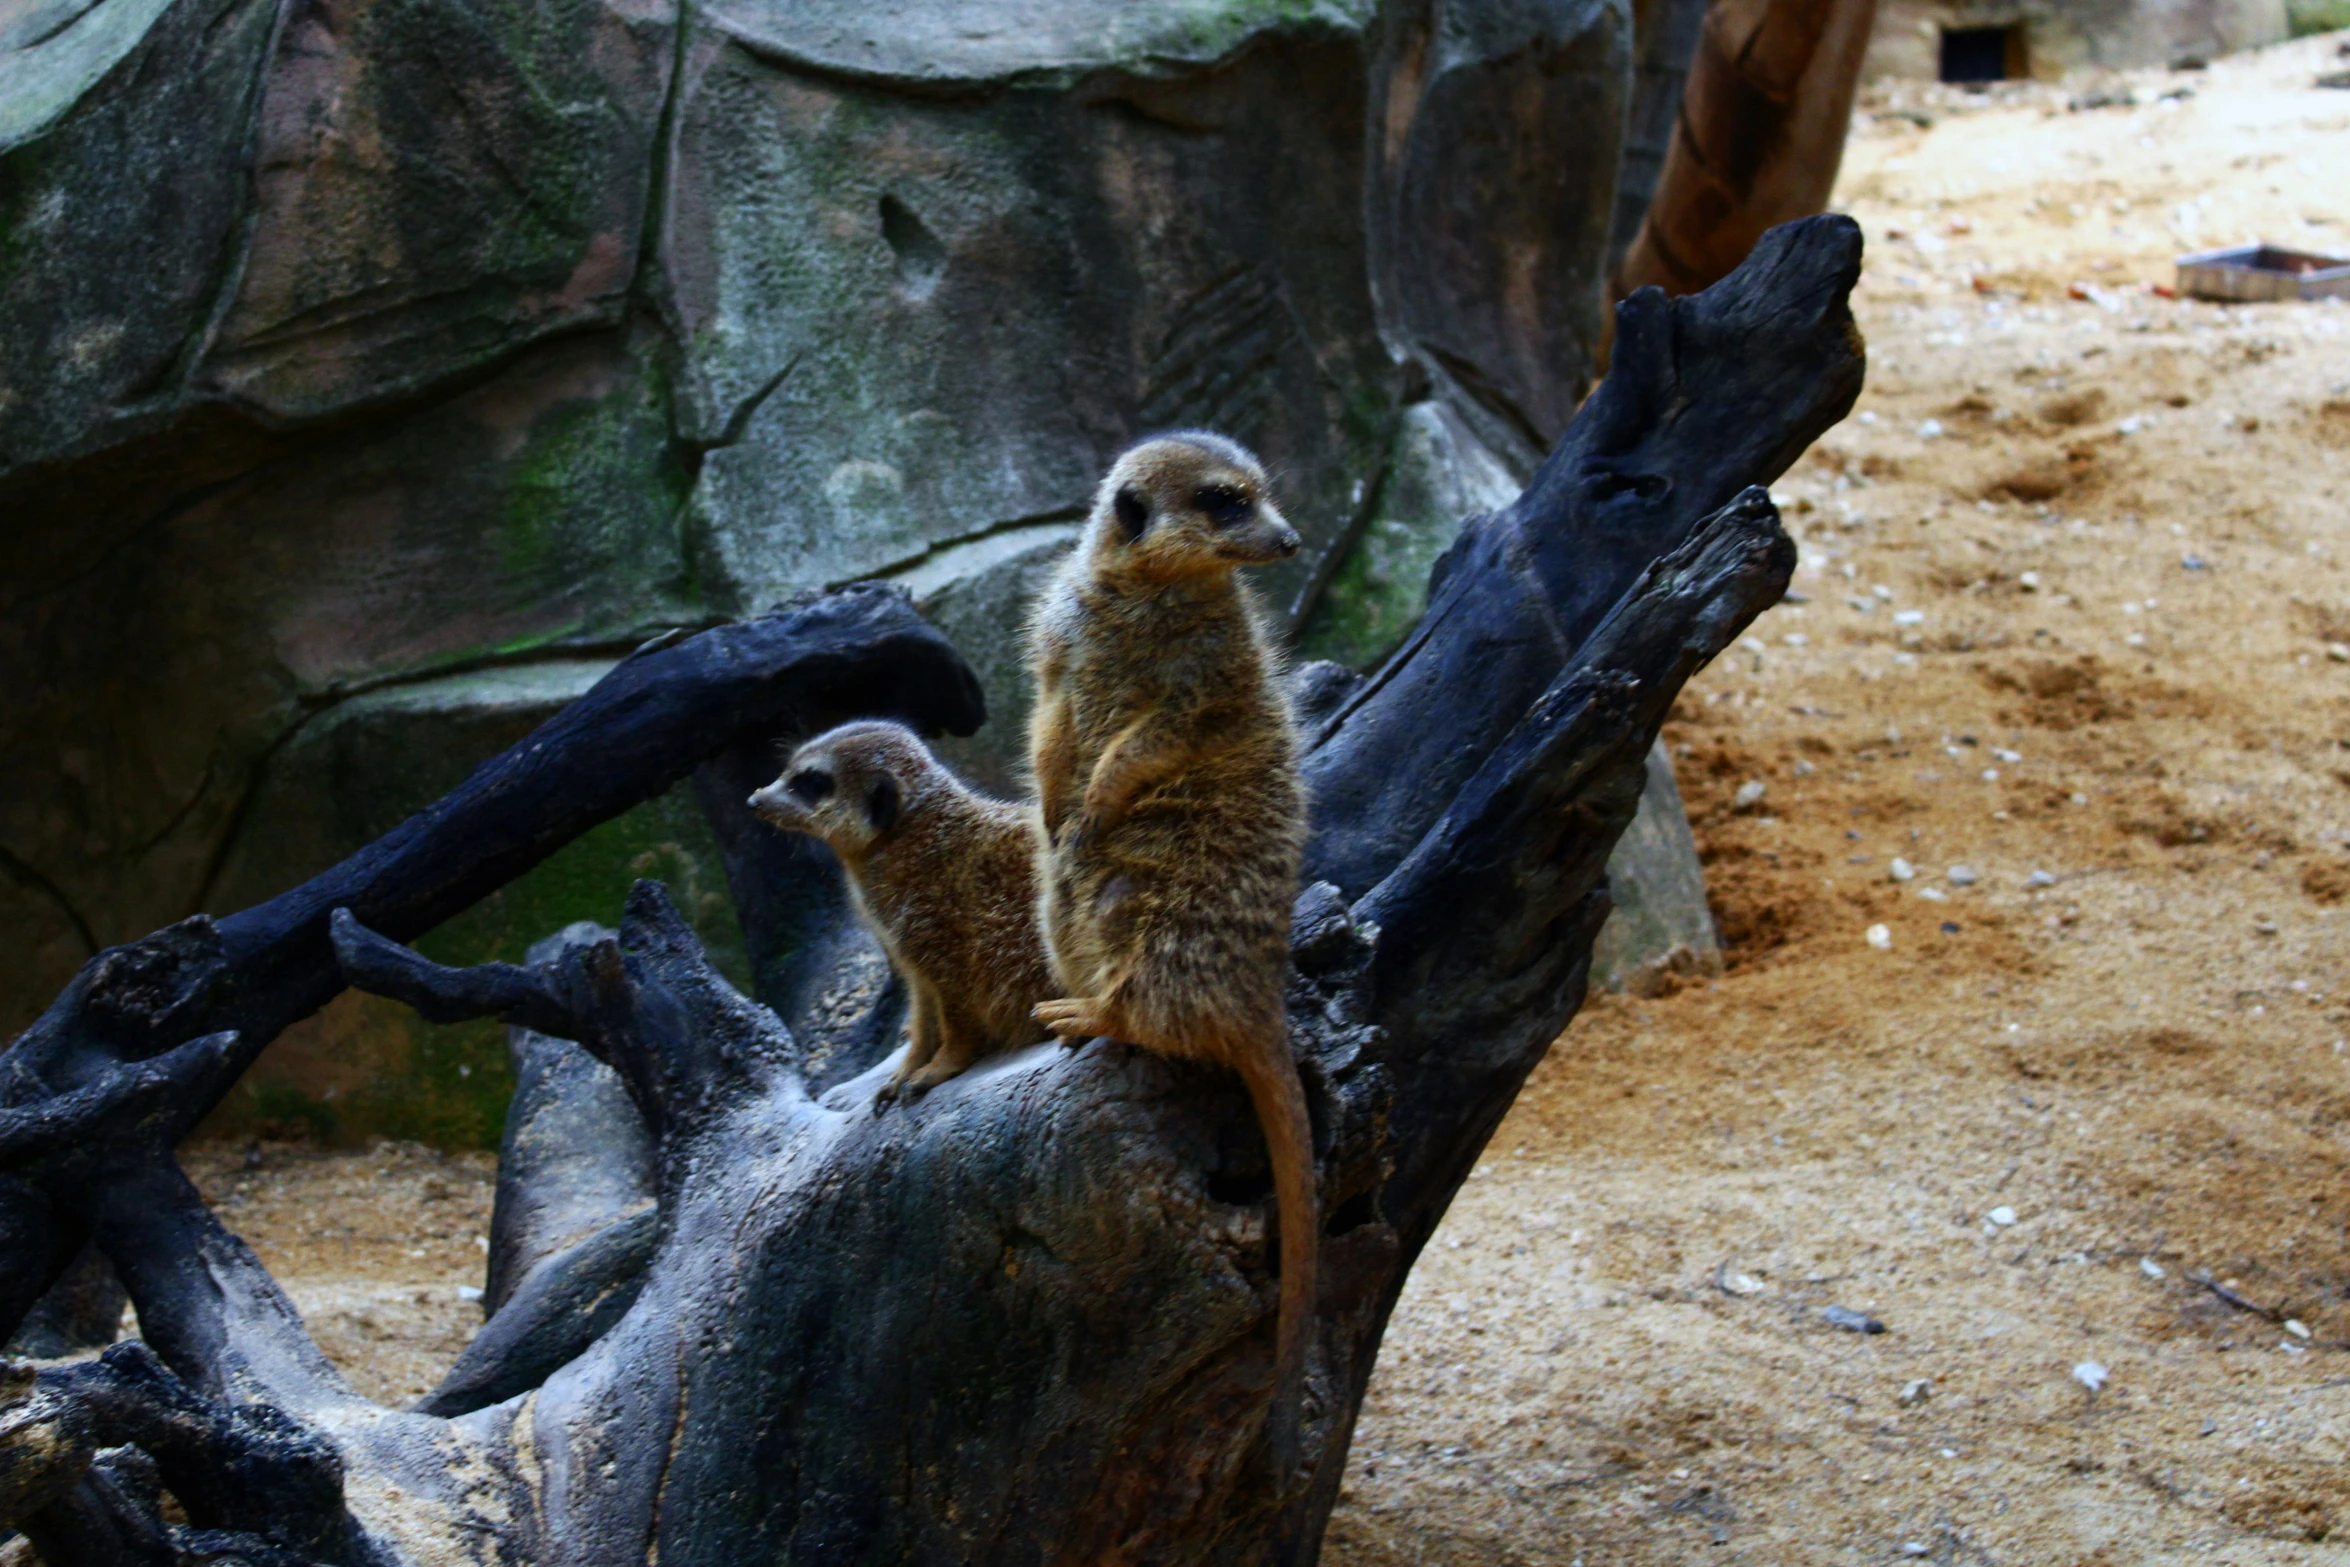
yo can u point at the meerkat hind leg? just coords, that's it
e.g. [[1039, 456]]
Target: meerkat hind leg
[[1079, 1018], [922, 1041], [1074, 1018]]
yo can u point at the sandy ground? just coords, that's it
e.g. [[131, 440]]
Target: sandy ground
[[383, 1251], [2076, 573], [2075, 652]]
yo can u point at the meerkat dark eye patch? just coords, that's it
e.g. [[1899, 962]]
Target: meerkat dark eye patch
[[809, 785], [881, 803], [1222, 505], [1134, 513]]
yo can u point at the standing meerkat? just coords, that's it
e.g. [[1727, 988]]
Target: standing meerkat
[[1171, 810], [942, 875]]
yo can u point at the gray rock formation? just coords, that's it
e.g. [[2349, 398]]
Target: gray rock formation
[[2046, 38], [1661, 929], [373, 374]]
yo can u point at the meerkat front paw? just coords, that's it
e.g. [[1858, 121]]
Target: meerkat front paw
[[1073, 1018]]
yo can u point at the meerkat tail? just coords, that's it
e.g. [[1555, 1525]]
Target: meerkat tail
[[1280, 1099]]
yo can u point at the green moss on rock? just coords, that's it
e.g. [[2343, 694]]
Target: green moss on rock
[[1437, 475]]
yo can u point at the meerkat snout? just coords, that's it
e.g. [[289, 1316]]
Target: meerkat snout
[[768, 805], [1232, 511], [848, 787]]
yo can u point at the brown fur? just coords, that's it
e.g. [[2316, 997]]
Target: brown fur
[[1172, 813], [942, 875]]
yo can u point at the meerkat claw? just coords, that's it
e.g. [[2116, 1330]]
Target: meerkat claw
[[1071, 1017]]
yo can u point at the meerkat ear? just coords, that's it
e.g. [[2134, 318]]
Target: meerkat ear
[[881, 803], [1134, 513]]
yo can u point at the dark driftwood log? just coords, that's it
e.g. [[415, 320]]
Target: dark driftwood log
[[111, 1035], [1030, 1317]]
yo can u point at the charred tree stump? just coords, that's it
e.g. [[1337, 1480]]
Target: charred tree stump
[[1026, 1319], [1756, 139]]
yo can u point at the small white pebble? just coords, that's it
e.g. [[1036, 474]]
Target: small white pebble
[[1990, 775], [2030, 581], [1933, 895], [2079, 798], [2010, 757], [2091, 1375], [2040, 879], [1900, 869], [1868, 417], [2296, 1327], [1909, 617], [1796, 639], [2339, 652], [2131, 426], [2151, 1268], [1749, 792], [1881, 937], [1915, 1548], [1929, 428], [1960, 876], [468, 1293], [1753, 644], [2002, 1216]]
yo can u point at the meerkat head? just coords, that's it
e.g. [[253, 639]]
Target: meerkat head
[[849, 786], [1186, 505]]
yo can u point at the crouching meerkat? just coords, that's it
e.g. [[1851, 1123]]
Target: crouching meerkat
[[942, 875], [1171, 811]]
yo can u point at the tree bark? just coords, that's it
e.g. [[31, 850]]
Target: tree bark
[[1026, 1319]]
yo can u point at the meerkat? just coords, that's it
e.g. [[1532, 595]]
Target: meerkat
[[942, 875], [1170, 809]]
